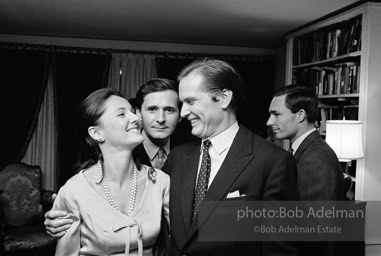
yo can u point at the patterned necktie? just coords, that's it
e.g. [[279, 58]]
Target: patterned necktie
[[160, 158], [203, 178]]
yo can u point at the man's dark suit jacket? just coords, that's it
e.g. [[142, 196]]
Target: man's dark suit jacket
[[253, 166], [320, 176]]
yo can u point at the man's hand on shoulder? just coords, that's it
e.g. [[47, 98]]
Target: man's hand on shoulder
[[56, 222]]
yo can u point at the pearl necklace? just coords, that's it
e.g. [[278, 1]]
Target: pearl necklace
[[107, 190]]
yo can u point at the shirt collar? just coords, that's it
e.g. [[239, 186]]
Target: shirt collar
[[299, 140], [222, 141], [151, 148]]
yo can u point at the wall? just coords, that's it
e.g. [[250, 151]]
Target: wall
[[280, 72]]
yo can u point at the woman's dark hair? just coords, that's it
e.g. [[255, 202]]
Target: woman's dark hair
[[88, 114]]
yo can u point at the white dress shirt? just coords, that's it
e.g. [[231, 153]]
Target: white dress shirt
[[299, 140], [219, 148]]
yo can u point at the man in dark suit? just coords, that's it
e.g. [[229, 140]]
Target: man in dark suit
[[231, 160], [293, 114]]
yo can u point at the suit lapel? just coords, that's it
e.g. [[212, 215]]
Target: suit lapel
[[239, 155], [189, 171], [305, 144]]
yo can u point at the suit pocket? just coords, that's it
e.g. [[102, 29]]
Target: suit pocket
[[243, 198], [239, 202]]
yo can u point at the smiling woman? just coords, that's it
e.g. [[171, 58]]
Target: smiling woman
[[113, 199]]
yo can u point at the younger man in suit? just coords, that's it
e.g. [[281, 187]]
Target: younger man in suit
[[157, 103]]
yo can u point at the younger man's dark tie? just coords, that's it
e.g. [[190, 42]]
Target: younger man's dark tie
[[160, 158], [203, 178]]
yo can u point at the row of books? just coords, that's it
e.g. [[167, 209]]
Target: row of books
[[327, 112], [343, 78], [330, 42]]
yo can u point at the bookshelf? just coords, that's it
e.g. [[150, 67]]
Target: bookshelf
[[309, 53], [339, 56], [328, 60]]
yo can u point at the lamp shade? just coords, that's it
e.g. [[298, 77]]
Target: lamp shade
[[344, 137]]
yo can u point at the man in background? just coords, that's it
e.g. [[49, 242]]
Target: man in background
[[293, 114]]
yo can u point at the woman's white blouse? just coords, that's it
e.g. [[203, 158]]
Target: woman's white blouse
[[99, 229]]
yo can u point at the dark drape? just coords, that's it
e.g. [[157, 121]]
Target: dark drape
[[77, 75], [23, 77], [258, 75], [259, 78], [169, 68]]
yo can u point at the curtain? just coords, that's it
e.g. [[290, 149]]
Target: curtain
[[76, 76], [42, 149], [23, 77], [128, 71]]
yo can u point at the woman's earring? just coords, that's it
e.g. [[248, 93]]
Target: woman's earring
[[101, 139]]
